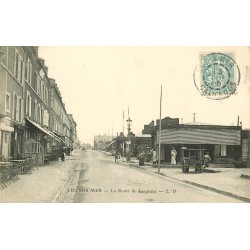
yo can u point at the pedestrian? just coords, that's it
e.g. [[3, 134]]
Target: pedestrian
[[141, 159], [154, 157], [63, 156], [207, 159], [68, 151], [116, 155], [173, 156]]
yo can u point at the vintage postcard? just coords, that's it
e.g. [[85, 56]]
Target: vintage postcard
[[144, 124]]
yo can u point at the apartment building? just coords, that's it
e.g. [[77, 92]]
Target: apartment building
[[33, 118]]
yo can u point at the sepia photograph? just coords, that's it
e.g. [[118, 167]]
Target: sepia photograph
[[125, 124]]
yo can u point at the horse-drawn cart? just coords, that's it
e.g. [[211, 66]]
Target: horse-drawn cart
[[192, 158]]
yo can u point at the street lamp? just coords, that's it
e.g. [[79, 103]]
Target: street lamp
[[129, 123]]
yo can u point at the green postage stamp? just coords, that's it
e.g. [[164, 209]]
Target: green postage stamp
[[220, 75]]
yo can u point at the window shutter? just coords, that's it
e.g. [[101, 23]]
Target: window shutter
[[21, 111], [30, 106], [17, 108], [19, 69], [30, 73], [27, 100], [13, 98]]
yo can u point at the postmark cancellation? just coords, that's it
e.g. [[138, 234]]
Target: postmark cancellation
[[218, 75]]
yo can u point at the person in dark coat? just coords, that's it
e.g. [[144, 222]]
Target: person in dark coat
[[116, 156], [141, 159], [63, 156]]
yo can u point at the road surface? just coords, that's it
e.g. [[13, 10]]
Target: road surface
[[98, 179]]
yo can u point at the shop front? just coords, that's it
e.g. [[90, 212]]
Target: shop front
[[5, 139], [39, 136], [223, 143]]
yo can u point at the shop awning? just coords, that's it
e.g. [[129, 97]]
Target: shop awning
[[200, 136], [39, 127], [55, 136]]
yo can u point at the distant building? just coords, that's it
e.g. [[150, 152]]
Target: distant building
[[101, 141]]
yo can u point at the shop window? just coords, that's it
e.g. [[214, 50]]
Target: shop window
[[32, 146], [223, 150], [217, 150], [244, 149]]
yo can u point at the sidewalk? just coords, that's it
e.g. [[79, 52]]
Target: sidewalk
[[234, 182], [42, 185]]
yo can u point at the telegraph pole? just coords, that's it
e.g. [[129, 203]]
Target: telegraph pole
[[159, 154]]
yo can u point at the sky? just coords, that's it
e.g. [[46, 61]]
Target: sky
[[98, 83]]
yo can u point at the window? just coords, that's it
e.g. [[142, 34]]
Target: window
[[21, 70], [42, 92], [20, 109], [35, 110], [26, 70], [36, 83], [16, 63], [17, 109], [14, 111], [29, 72], [39, 113], [28, 104], [8, 102], [18, 67], [42, 116], [38, 86], [47, 96]]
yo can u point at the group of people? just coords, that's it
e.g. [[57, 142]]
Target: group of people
[[153, 155]]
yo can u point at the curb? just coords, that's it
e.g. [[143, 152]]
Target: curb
[[219, 191], [59, 193], [201, 185]]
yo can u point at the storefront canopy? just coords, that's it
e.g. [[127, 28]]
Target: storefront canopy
[[200, 136], [39, 127], [55, 136]]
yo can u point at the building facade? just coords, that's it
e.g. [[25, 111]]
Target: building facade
[[222, 142], [33, 117], [73, 132]]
